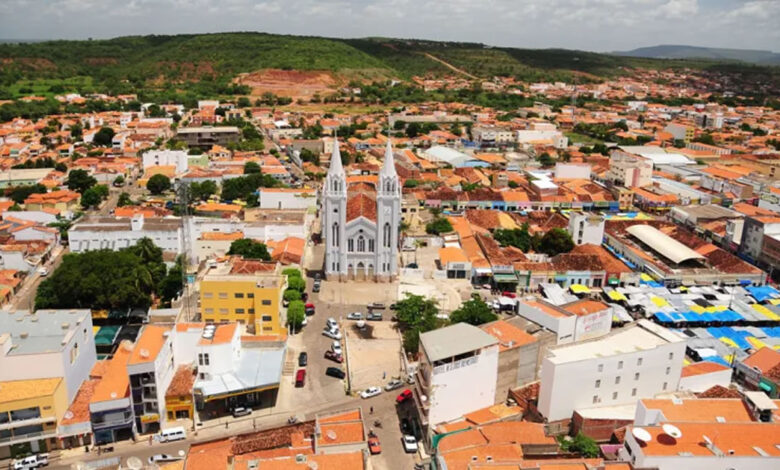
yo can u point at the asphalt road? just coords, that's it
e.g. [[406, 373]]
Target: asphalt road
[[24, 299]]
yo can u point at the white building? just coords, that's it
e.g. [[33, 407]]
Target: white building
[[572, 171], [586, 228], [552, 137], [47, 344], [360, 224], [150, 369], [631, 171], [287, 198], [580, 320], [638, 361], [96, 233], [457, 374], [175, 158]]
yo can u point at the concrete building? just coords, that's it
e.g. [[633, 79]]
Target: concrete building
[[175, 158], [572, 171], [29, 412], [47, 344], [533, 136], [457, 374], [111, 407], [493, 136], [755, 233], [150, 368], [586, 228], [636, 362], [518, 352], [571, 322], [287, 198], [207, 137], [631, 171], [97, 233]]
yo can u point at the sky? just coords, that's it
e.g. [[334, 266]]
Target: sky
[[596, 25]]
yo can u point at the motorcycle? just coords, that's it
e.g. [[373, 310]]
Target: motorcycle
[[292, 420], [377, 424]]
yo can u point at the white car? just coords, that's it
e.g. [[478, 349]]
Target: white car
[[33, 461], [355, 316], [163, 458], [410, 444], [336, 347], [370, 392], [332, 334], [331, 323], [393, 384], [43, 272]]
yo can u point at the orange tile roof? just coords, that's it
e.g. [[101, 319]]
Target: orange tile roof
[[78, 411], [584, 307], [114, 384], [701, 409], [703, 367], [741, 438], [361, 205], [341, 433], [764, 359], [149, 344], [223, 334], [544, 308], [452, 254], [508, 335], [222, 236], [182, 382]]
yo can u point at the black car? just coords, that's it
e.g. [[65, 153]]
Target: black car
[[316, 288], [303, 358], [335, 372], [374, 316]]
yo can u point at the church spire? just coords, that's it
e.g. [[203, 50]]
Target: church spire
[[388, 166], [335, 167]]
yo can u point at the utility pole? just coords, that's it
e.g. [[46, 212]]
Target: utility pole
[[183, 194]]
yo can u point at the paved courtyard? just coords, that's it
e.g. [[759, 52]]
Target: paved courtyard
[[374, 353]]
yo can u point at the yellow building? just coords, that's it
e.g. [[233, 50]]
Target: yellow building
[[29, 413], [248, 292]]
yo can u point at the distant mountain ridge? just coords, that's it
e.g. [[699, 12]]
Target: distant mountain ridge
[[670, 51]]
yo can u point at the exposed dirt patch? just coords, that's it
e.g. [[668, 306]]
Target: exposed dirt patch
[[32, 62], [186, 71], [292, 83], [97, 61]]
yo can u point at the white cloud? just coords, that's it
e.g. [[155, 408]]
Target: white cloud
[[678, 9]]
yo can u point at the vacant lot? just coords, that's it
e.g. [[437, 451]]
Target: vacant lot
[[373, 353]]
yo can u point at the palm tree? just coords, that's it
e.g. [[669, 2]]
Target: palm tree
[[147, 251], [143, 279]]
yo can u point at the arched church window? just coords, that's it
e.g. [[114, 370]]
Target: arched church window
[[361, 242], [386, 235], [335, 234]]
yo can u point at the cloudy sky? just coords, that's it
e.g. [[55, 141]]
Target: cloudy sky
[[598, 25]]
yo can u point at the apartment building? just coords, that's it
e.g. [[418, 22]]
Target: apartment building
[[111, 406], [575, 321], [47, 344], [29, 412], [636, 362], [178, 159], [207, 137], [246, 292], [629, 170], [586, 228], [150, 370], [457, 373]]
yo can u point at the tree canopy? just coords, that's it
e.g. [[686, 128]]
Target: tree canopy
[[438, 226], [103, 137], [474, 312], [416, 314], [249, 249], [80, 180], [516, 237], [158, 184], [296, 312], [251, 167], [555, 241]]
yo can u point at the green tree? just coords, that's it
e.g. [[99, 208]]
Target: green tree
[[297, 283], [474, 312], [172, 284], [438, 226], [292, 272], [158, 184], [101, 190], [251, 167], [80, 180], [705, 139], [103, 137], [546, 160], [580, 444], [411, 183], [513, 184], [555, 241], [90, 198], [20, 193], [292, 294], [415, 314], [518, 237], [203, 190], [124, 200], [249, 249], [119, 180], [296, 312], [243, 102]]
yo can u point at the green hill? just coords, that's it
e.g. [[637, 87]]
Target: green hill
[[207, 63]]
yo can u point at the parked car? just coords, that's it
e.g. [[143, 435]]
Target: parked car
[[370, 392], [316, 287], [373, 446], [317, 276], [304, 296], [376, 306], [303, 359], [33, 461], [332, 334], [412, 266], [335, 372], [394, 306], [374, 316], [336, 347], [241, 411], [333, 356], [511, 295], [331, 323], [309, 309], [410, 444], [355, 316], [393, 384], [403, 396], [158, 458], [300, 378]]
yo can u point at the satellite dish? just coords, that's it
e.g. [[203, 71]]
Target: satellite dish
[[331, 435], [672, 430], [68, 415], [182, 453], [641, 434], [134, 463]]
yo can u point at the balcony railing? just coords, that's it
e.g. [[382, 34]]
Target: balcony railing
[[27, 422], [112, 423], [33, 436]]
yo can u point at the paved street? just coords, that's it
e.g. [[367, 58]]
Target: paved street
[[24, 299]]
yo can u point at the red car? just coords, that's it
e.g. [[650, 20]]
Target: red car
[[511, 295], [403, 396], [373, 446], [300, 378], [309, 309], [333, 356]]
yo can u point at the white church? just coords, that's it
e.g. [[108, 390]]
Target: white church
[[360, 223]]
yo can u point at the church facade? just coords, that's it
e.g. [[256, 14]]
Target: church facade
[[360, 222]]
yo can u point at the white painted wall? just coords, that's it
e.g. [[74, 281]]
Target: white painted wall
[[176, 158], [702, 382], [463, 389], [287, 200]]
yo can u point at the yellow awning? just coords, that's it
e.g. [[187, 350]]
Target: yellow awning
[[683, 289], [616, 296], [697, 309], [774, 301], [579, 289], [728, 342], [766, 312], [755, 342], [95, 330], [659, 301], [646, 277]]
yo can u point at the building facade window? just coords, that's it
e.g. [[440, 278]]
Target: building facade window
[[239, 295], [239, 310], [598, 383], [266, 302], [361, 244]]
